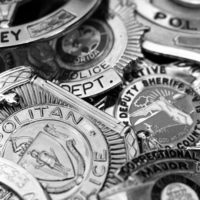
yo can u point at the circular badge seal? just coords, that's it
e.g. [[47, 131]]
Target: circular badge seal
[[65, 152], [93, 56], [16, 183], [175, 186], [71, 154], [67, 17], [163, 110], [160, 180], [174, 27]]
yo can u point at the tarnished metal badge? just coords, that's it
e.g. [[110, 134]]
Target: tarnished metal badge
[[93, 56], [174, 27], [163, 110], [67, 17], [17, 183], [72, 148]]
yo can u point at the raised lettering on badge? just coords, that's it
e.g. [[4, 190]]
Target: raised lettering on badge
[[56, 152], [7, 36], [164, 112]]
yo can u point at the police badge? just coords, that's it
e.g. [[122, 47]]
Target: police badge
[[65, 18], [174, 27], [93, 56], [17, 183], [158, 175], [72, 148], [161, 103]]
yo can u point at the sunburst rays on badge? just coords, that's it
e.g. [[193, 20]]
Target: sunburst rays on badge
[[18, 82], [135, 31]]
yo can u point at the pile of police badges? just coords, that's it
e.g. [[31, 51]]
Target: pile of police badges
[[99, 100]]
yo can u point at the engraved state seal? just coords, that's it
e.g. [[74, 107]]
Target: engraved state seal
[[64, 150], [72, 154], [163, 110]]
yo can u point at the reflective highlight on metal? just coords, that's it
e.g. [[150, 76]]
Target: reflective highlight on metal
[[73, 149], [66, 18], [19, 181], [174, 27]]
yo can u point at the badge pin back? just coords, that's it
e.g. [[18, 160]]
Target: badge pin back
[[91, 144], [94, 55], [65, 18], [17, 183], [174, 27]]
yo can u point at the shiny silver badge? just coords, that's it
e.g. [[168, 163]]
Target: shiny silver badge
[[174, 27], [69, 14], [158, 175], [163, 110], [7, 11], [17, 183], [91, 59], [174, 186], [94, 55], [160, 104], [72, 148]]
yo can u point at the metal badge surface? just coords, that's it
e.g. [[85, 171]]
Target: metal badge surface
[[163, 110], [186, 71], [142, 67], [192, 3], [93, 56], [158, 169], [66, 18], [7, 11], [174, 27], [145, 159], [8, 193], [17, 183], [72, 148], [88, 61], [173, 186], [172, 167]]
